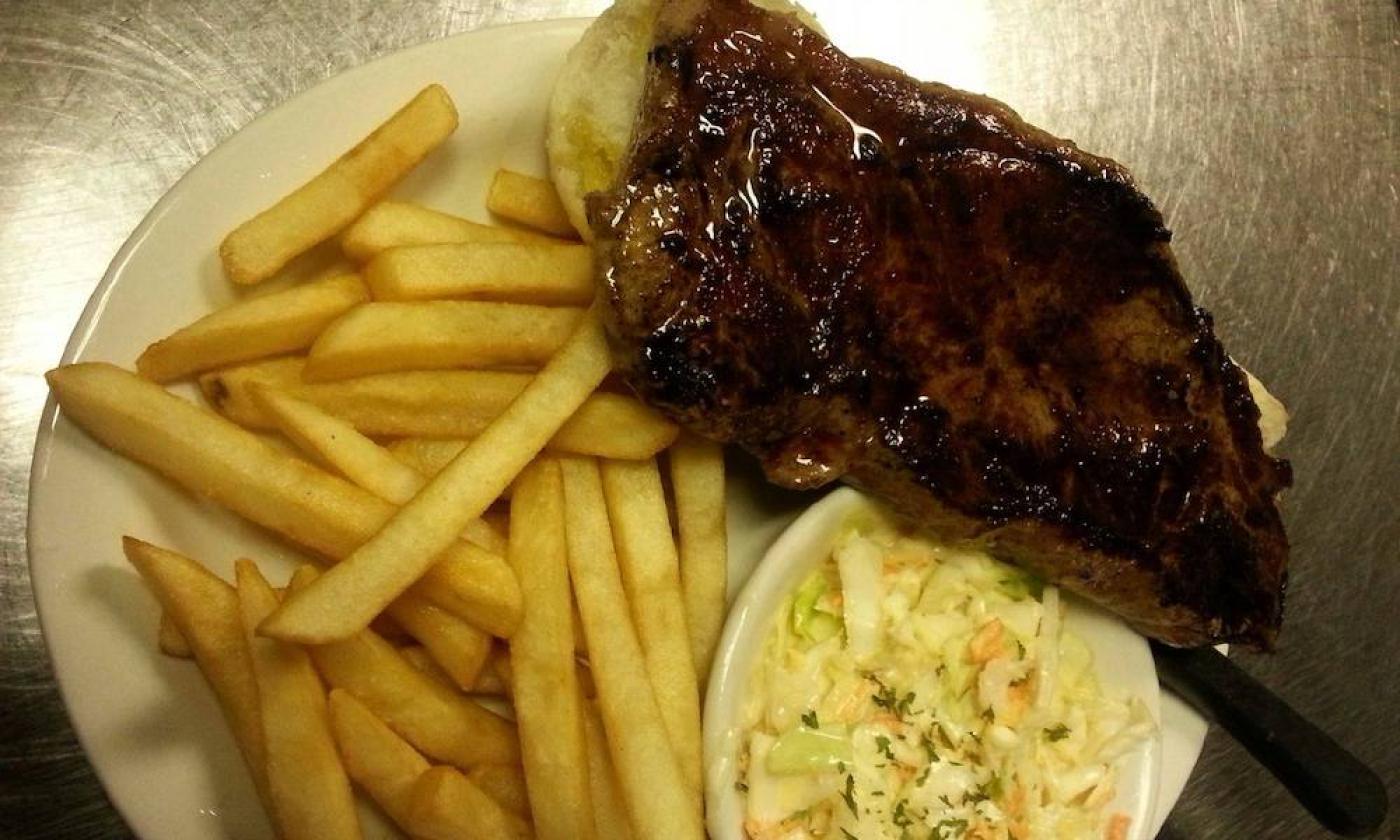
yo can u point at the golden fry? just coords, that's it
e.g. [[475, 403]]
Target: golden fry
[[440, 722], [210, 456], [446, 805], [335, 442], [459, 648], [418, 657], [542, 273], [380, 763], [529, 201], [393, 224], [369, 465], [487, 533], [309, 787], [441, 404], [609, 813], [505, 784], [390, 335], [659, 802], [253, 328], [170, 640], [697, 480], [205, 610], [325, 205], [495, 679], [545, 688], [428, 455], [651, 575], [351, 593]]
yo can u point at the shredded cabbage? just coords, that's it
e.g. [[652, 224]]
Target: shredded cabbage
[[913, 689], [811, 618], [803, 750]]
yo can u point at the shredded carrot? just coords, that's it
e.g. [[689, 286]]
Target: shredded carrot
[[987, 644], [1117, 827]]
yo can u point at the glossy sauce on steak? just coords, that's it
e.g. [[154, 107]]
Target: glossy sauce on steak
[[856, 275]]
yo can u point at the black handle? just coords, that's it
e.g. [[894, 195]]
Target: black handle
[[1343, 794]]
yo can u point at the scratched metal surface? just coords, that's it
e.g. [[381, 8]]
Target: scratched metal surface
[[1266, 131]]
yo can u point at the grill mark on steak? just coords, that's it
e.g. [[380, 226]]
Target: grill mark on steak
[[854, 274]]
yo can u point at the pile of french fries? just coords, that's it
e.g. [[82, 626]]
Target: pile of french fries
[[424, 419]]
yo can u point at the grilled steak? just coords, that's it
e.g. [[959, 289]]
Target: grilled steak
[[854, 274]]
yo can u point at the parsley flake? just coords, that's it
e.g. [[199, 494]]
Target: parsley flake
[[992, 789], [927, 743], [883, 745], [899, 818]]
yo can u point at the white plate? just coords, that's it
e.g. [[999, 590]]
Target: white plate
[[150, 727], [1122, 660]]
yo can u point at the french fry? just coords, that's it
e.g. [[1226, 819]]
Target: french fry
[[391, 335], [580, 640], [505, 784], [205, 609], [369, 465], [489, 684], [651, 576], [529, 201], [489, 533], [352, 592], [495, 679], [335, 442], [500, 663], [498, 517], [435, 719], [658, 800], [386, 626], [429, 455], [585, 680], [609, 813], [310, 790], [446, 805], [394, 224], [459, 648], [697, 481], [380, 763], [326, 204], [418, 657], [441, 404], [516, 272], [545, 688], [216, 459], [229, 390], [170, 640], [253, 328]]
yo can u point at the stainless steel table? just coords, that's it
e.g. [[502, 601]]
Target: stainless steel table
[[1267, 131]]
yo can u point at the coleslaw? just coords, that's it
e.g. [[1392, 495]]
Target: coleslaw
[[910, 689]]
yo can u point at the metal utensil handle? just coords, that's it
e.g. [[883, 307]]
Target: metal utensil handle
[[1343, 794]]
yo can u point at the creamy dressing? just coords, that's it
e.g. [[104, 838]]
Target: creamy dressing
[[912, 690]]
